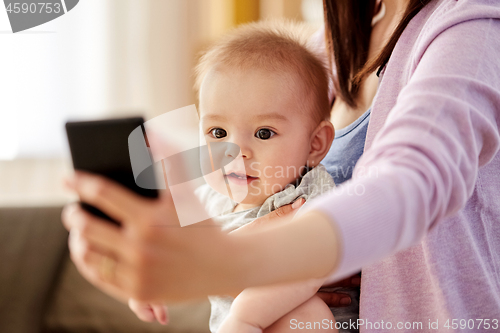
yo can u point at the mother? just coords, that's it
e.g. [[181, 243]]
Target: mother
[[420, 214]]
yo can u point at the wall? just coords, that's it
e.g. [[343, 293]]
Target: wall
[[105, 58]]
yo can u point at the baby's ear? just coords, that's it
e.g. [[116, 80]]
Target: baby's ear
[[321, 140]]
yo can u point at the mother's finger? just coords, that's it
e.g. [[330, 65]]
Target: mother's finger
[[66, 213], [90, 263], [114, 199], [94, 230]]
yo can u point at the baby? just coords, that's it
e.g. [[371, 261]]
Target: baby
[[263, 90]]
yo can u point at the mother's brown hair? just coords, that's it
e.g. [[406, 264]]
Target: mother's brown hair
[[347, 32]]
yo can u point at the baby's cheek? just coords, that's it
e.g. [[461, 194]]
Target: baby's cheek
[[282, 166], [281, 177]]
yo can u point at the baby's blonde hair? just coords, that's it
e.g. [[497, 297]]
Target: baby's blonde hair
[[277, 47]]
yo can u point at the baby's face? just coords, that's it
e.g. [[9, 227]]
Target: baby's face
[[260, 112]]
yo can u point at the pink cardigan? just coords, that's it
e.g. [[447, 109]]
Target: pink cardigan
[[421, 215]]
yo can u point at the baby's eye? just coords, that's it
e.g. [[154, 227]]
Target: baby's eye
[[264, 133], [218, 133]]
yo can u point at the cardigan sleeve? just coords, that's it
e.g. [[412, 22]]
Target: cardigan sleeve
[[423, 163]]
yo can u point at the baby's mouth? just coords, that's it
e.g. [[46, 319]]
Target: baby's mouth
[[240, 178]]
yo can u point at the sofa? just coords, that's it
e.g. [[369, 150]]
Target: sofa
[[42, 291]]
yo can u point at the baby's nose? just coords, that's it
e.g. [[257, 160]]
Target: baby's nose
[[232, 150]]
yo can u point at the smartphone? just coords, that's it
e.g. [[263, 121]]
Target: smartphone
[[102, 147]]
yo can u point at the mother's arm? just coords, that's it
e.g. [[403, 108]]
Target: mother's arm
[[285, 214], [443, 127], [423, 163], [157, 260]]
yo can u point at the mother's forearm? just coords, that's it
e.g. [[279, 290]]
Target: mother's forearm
[[307, 247]]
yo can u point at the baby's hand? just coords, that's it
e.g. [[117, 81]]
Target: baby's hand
[[149, 312]]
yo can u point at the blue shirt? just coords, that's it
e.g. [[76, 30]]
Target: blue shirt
[[346, 149]]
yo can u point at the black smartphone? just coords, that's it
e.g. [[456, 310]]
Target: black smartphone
[[102, 147]]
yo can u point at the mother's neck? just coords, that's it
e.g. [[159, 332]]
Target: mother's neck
[[396, 6]]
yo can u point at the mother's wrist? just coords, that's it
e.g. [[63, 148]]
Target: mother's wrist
[[307, 247], [227, 265], [333, 248]]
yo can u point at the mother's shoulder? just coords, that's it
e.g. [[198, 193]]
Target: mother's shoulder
[[440, 15]]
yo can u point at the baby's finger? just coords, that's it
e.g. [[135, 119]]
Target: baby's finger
[[287, 210], [161, 313], [143, 311], [335, 299], [352, 281], [280, 215]]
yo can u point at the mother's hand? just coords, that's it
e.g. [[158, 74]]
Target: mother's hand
[[134, 260], [151, 258]]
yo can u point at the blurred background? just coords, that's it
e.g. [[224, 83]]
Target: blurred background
[[104, 58]]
